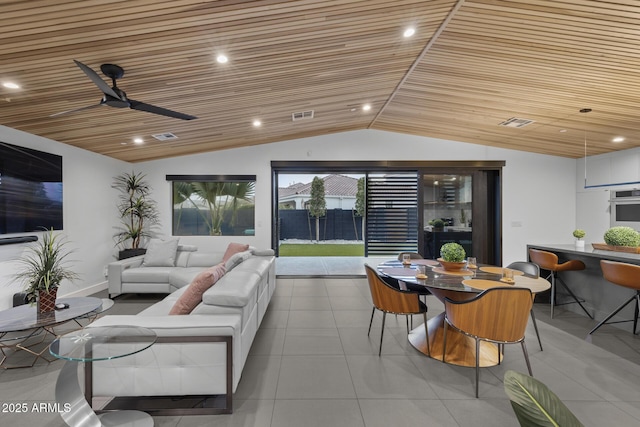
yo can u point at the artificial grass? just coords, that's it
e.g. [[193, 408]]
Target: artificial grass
[[321, 249]]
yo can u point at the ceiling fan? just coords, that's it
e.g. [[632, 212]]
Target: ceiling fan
[[116, 97]]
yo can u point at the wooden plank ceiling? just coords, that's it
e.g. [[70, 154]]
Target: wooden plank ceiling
[[470, 66]]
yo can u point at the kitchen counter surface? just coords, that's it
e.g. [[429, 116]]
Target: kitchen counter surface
[[600, 296], [589, 252]]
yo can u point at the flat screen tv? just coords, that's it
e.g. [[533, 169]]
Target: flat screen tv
[[30, 190]]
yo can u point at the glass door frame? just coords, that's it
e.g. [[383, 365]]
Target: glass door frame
[[487, 181]]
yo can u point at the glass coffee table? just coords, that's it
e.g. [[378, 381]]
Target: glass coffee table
[[93, 345], [20, 325]]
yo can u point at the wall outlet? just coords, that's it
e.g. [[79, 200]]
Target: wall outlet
[[106, 270]]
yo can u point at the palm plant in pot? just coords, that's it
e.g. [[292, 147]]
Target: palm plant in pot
[[452, 256], [44, 267], [138, 213]]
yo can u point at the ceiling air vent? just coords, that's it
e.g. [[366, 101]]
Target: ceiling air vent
[[164, 136], [302, 115], [515, 122]]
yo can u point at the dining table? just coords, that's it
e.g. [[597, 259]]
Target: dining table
[[456, 285]]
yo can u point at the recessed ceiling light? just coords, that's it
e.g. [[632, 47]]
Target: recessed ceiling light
[[366, 107], [11, 85], [562, 130], [353, 109], [618, 139], [123, 143], [257, 123], [222, 59], [138, 140], [409, 32]]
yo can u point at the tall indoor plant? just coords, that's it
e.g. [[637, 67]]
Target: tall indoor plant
[[138, 213], [44, 267]]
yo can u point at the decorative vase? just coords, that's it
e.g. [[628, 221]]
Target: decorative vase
[[452, 266], [579, 243], [47, 300]]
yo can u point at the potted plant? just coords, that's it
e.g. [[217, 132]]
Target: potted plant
[[452, 256], [43, 269], [620, 239], [579, 235], [138, 213], [437, 224]]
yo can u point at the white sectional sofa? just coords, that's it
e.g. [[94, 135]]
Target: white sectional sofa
[[199, 355]]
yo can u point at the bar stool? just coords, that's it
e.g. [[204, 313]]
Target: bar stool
[[549, 261], [622, 274]]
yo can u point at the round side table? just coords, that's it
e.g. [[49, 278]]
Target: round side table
[[92, 345]]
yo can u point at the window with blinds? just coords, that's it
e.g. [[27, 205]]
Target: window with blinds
[[392, 213]]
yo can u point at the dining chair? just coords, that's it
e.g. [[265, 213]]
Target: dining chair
[[412, 255], [388, 299], [497, 315], [532, 270]]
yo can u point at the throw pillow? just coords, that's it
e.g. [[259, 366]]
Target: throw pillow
[[161, 253], [193, 295], [232, 249]]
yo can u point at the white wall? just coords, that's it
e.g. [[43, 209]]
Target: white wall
[[538, 191], [89, 213], [605, 172]]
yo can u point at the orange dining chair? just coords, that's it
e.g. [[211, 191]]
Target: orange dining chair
[[628, 276], [388, 299], [549, 261], [498, 315]]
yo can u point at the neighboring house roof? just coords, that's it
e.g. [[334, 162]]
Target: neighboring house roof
[[334, 185]]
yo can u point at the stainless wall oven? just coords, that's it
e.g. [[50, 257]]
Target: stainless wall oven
[[625, 208]]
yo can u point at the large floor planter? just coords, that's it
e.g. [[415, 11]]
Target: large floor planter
[[128, 253], [47, 300]]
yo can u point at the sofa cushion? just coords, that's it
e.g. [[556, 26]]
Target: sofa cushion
[[234, 248], [182, 255], [161, 253], [237, 289], [193, 295], [146, 275], [236, 259], [204, 259]]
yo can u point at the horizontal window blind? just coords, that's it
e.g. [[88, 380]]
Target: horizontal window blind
[[392, 213]]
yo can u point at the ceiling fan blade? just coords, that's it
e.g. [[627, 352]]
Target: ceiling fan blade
[[137, 105], [95, 78], [77, 109]]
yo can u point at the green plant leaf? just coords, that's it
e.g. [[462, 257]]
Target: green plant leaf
[[535, 405]]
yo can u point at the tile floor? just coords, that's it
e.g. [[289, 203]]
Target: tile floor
[[312, 364]]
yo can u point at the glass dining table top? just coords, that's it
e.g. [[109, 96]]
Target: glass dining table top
[[102, 343], [26, 316], [465, 280]]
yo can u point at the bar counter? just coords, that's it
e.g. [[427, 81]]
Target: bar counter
[[601, 297]]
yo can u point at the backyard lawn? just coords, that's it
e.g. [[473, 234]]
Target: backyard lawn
[[315, 249]]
